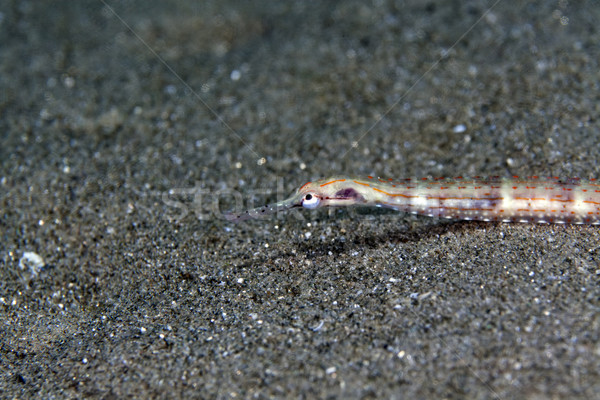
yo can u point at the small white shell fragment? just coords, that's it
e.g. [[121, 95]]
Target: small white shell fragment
[[31, 261], [459, 128], [235, 75]]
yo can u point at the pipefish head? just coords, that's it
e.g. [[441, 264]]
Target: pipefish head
[[330, 192]]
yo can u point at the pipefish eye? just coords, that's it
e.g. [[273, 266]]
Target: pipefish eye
[[310, 201]]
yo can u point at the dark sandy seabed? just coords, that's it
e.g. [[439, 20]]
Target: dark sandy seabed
[[126, 126]]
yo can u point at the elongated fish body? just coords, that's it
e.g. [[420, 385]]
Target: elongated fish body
[[531, 200]]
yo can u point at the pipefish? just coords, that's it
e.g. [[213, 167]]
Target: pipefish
[[527, 200]]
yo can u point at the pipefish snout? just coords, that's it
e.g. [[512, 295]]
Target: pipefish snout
[[528, 200]]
